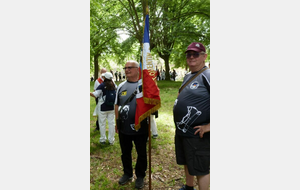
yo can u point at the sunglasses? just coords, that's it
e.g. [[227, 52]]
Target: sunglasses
[[195, 55], [129, 68]]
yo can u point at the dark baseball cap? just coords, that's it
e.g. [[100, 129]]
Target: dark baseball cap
[[196, 46]]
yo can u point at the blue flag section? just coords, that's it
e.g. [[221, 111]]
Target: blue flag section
[[146, 30]]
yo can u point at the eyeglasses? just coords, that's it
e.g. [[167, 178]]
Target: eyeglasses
[[129, 68], [195, 55]]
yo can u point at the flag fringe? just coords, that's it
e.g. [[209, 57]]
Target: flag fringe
[[146, 114], [151, 101]]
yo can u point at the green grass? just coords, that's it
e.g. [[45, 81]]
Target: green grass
[[105, 161]]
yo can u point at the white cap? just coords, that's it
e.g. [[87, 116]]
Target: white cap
[[108, 75]]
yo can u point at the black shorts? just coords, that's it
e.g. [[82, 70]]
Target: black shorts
[[193, 152]]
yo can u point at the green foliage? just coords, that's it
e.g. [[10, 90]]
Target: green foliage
[[174, 25], [185, 24], [103, 32]]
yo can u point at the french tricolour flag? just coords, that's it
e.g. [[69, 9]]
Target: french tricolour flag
[[148, 99]]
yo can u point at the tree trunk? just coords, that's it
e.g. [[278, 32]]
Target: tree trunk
[[167, 67], [96, 66]]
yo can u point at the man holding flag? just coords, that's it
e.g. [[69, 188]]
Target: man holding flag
[[137, 98], [125, 110]]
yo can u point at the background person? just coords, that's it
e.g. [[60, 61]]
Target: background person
[[105, 111], [158, 75], [97, 83], [116, 74], [153, 126], [163, 75], [174, 74], [120, 76]]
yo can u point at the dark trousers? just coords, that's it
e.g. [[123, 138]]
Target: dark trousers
[[97, 123], [140, 142]]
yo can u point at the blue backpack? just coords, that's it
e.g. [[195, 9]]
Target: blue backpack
[[110, 97]]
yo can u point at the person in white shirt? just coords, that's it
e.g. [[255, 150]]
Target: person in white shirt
[[97, 83], [105, 109]]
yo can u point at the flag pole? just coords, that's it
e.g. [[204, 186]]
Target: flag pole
[[149, 119], [149, 150]]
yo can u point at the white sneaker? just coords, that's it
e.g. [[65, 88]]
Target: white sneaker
[[154, 136]]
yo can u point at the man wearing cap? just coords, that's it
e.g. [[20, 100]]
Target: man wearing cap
[[105, 111], [191, 114], [97, 83]]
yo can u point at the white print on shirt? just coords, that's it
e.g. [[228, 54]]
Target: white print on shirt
[[175, 103], [125, 109], [139, 93], [132, 127], [194, 85], [188, 119]]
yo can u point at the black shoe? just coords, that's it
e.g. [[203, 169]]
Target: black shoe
[[139, 183], [124, 179], [183, 188]]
